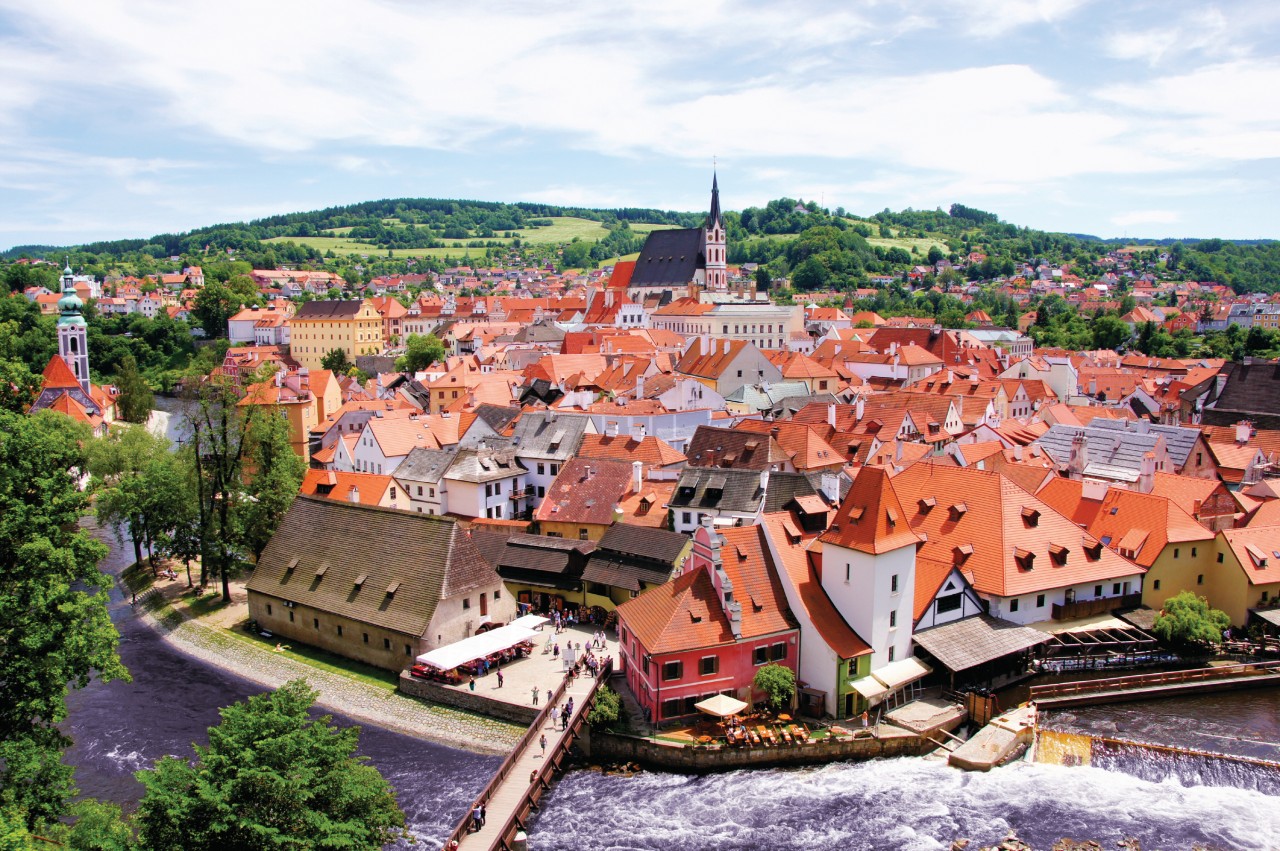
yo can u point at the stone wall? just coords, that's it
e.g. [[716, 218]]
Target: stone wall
[[464, 699], [609, 747]]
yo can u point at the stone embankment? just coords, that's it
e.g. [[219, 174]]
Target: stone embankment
[[359, 701], [1013, 843]]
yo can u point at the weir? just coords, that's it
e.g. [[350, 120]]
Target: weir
[[525, 775]]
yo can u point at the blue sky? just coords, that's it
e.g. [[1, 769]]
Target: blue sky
[[125, 118]]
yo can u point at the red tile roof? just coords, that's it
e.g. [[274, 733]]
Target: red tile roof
[[871, 518], [679, 615], [756, 585]]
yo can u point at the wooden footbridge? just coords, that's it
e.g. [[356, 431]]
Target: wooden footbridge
[[1156, 685], [513, 792]]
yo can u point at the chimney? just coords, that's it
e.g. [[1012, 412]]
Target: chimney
[[1017, 452], [611, 428], [764, 481], [1147, 473], [640, 386], [859, 408], [1079, 458], [831, 488], [354, 496], [831, 415], [1243, 432], [637, 431], [637, 475]]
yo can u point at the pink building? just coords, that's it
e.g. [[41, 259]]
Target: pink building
[[709, 630]]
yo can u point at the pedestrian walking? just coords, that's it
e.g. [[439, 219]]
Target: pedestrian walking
[[535, 695], [500, 679], [548, 697], [864, 719], [472, 685], [542, 740]]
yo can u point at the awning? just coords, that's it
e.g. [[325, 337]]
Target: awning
[[970, 642], [870, 688], [1271, 616], [895, 675], [476, 647], [720, 705], [530, 621]]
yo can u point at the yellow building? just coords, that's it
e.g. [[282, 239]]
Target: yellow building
[[319, 327], [1248, 575], [305, 398]]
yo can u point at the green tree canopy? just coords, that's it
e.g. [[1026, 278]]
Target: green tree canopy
[[778, 682], [134, 402], [420, 352], [1187, 621], [335, 360], [54, 628], [270, 777], [277, 475]]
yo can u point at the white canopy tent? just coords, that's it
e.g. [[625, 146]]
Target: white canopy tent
[[530, 621], [721, 706], [476, 647]]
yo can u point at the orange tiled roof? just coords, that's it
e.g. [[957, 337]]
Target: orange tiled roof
[[745, 559], [871, 518], [58, 375], [1255, 547], [1143, 524], [678, 615], [650, 450]]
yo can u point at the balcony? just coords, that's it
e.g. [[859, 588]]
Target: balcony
[[1088, 608]]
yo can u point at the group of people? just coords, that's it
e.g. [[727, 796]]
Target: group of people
[[477, 817]]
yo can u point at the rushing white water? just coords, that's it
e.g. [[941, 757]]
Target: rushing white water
[[904, 804]]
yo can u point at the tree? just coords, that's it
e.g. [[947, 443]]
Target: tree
[[778, 682], [270, 777], [219, 442], [19, 386], [1109, 332], [809, 275], [214, 305], [54, 628], [277, 473], [763, 281], [134, 402], [1187, 621], [420, 352], [607, 708], [335, 360], [129, 467]]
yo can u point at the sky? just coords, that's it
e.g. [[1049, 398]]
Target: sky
[[127, 118]]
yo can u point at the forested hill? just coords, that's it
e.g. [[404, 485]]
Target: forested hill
[[815, 247]]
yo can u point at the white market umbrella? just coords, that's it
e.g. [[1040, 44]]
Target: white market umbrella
[[721, 706]]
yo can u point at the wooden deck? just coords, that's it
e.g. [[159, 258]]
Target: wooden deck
[[1156, 685], [526, 774]]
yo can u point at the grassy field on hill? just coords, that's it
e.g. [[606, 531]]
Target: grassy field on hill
[[562, 230]]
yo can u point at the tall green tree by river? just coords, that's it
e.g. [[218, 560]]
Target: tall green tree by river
[[54, 628]]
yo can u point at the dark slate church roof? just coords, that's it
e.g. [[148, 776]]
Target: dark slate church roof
[[669, 258], [1252, 392]]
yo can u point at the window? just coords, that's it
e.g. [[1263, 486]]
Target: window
[[778, 652], [893, 620], [386, 644], [366, 638], [1175, 552], [670, 708], [1193, 552], [582, 534], [339, 630], [497, 594], [709, 665], [1097, 591], [1039, 601], [672, 670], [1155, 586], [1013, 606], [950, 603], [1200, 579], [466, 602], [1115, 588], [555, 469], [408, 651], [268, 608], [315, 622], [431, 492], [761, 655], [1199, 458], [684, 518], [739, 373], [290, 617], [393, 492], [419, 490], [1219, 558], [893, 584], [892, 653]]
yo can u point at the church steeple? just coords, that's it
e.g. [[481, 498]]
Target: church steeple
[[713, 239], [73, 342]]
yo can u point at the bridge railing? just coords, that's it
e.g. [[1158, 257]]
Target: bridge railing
[[508, 829], [1153, 679]]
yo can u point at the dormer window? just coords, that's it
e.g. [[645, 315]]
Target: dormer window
[[856, 512], [927, 504], [1025, 558], [959, 555], [1031, 517], [1058, 553], [958, 511], [1093, 550]]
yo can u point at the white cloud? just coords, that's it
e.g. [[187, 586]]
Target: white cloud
[[1146, 217]]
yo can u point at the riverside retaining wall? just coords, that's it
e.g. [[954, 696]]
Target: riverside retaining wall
[[468, 700]]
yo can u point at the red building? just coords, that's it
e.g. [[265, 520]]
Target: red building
[[709, 630]]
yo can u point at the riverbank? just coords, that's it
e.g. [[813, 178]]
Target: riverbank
[[209, 638]]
